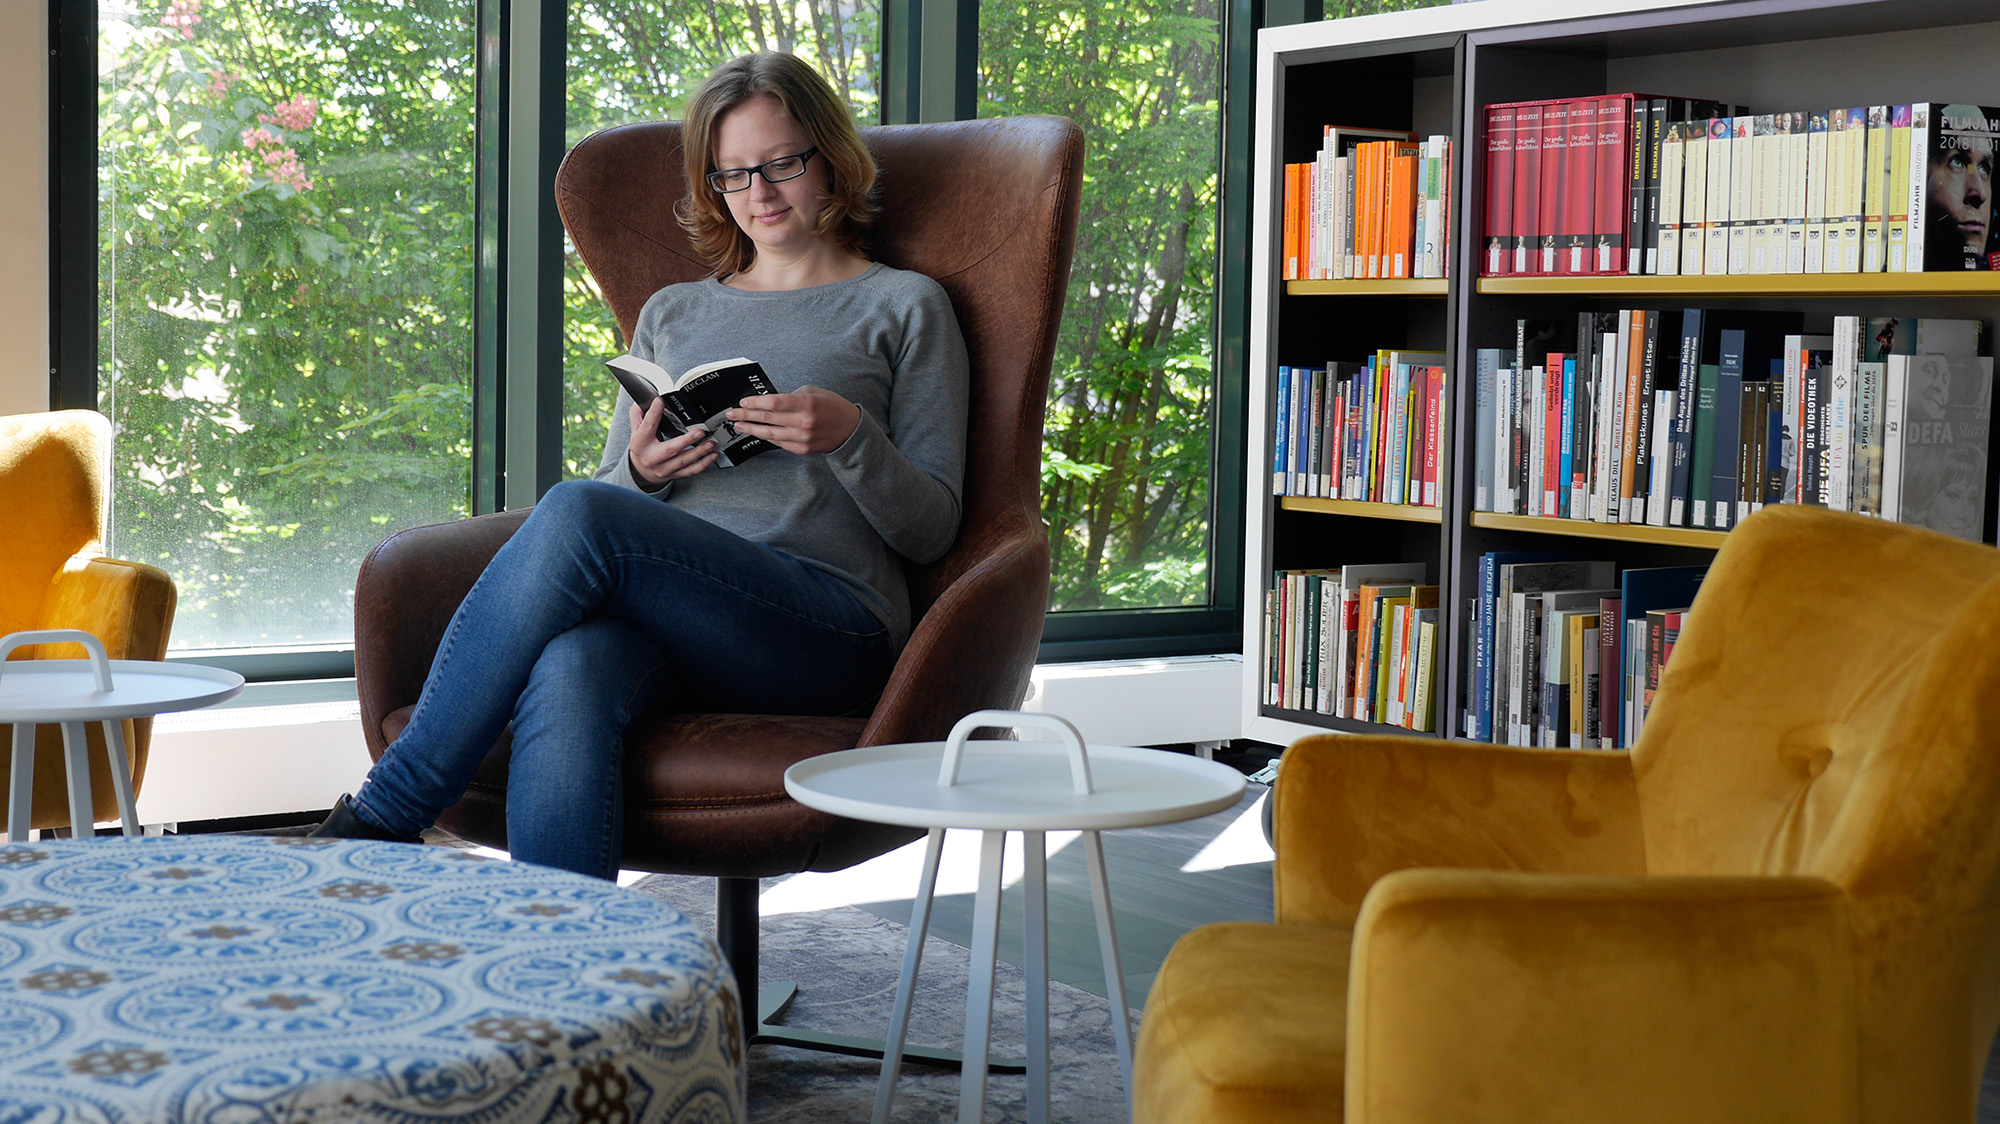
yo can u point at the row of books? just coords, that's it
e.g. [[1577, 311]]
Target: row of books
[[1567, 654], [1371, 430], [1566, 182], [1867, 189], [1372, 203], [1697, 418], [1356, 642]]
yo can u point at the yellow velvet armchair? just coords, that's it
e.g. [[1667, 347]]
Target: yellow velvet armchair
[[54, 502], [1782, 905]]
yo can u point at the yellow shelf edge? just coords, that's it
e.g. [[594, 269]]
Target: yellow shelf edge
[[1767, 284], [1583, 528], [1411, 513], [1412, 287]]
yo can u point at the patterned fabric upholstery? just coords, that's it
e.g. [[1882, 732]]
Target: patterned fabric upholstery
[[215, 978]]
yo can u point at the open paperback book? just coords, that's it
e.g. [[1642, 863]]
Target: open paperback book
[[700, 397]]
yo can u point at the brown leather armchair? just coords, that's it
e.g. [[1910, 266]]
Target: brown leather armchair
[[988, 209]]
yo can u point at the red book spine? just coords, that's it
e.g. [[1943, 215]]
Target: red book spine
[[1552, 412], [1555, 155], [1527, 184], [1579, 192], [1613, 178], [1499, 260]]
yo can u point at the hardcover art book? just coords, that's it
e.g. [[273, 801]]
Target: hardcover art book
[[700, 397]]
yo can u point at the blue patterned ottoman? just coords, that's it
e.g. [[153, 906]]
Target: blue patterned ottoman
[[237, 979]]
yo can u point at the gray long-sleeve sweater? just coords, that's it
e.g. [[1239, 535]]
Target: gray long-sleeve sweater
[[887, 341]]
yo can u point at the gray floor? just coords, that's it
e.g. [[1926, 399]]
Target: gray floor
[[1153, 901]]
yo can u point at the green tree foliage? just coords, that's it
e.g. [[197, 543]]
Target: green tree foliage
[[285, 194], [1125, 469]]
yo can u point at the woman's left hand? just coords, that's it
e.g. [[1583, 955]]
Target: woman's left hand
[[808, 420]]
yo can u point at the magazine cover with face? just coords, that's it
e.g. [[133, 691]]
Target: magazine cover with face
[[1958, 188]]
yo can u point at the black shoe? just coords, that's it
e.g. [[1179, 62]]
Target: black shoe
[[343, 823]]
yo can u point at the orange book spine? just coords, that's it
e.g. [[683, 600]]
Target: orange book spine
[[1635, 368], [1289, 268], [1402, 210], [1365, 243]]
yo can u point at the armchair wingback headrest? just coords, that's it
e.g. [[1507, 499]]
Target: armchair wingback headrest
[[55, 498], [986, 208], [1832, 702]]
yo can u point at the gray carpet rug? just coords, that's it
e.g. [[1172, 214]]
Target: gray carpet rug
[[845, 962]]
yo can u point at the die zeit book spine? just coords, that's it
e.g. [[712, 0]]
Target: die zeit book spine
[[1554, 154], [699, 397], [1576, 242], [1608, 215], [1527, 185], [1499, 190]]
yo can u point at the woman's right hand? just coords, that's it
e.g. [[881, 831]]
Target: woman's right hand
[[655, 462]]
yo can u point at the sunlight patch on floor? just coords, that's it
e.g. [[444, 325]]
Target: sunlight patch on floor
[[1239, 844], [893, 877]]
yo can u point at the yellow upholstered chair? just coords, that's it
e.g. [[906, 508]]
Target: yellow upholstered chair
[[55, 499], [1782, 905]]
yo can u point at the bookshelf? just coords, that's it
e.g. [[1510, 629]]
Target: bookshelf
[[1433, 71]]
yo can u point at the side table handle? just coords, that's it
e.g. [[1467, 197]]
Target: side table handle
[[1065, 732], [99, 662]]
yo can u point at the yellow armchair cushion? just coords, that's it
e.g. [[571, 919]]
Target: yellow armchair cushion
[[1352, 808], [1639, 1000], [1246, 1025]]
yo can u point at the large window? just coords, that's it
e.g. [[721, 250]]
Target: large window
[[639, 61], [1125, 465], [284, 300]]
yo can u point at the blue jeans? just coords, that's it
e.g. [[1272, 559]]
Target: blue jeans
[[604, 605]]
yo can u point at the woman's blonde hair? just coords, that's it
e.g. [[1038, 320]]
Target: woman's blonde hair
[[848, 206]]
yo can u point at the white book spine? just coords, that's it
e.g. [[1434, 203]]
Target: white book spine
[[1920, 147], [1816, 157], [1661, 478], [1893, 393], [1839, 408], [1673, 159]]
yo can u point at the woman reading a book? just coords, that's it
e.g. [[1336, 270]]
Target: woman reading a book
[[774, 585]]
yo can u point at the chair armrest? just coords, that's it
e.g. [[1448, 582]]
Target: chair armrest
[[1349, 809], [128, 606], [1504, 998], [404, 597]]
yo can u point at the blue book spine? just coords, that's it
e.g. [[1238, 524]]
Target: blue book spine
[[1728, 407], [1281, 451], [1568, 458]]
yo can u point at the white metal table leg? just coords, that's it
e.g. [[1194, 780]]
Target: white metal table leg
[[979, 988], [121, 776], [21, 783], [76, 763], [1107, 942], [899, 1016], [1035, 879]]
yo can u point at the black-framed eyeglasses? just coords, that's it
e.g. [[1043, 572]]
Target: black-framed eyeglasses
[[728, 181]]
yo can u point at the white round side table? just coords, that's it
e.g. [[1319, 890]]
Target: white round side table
[[74, 692], [1032, 787]]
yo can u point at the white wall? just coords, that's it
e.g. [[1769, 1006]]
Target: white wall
[[24, 206]]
